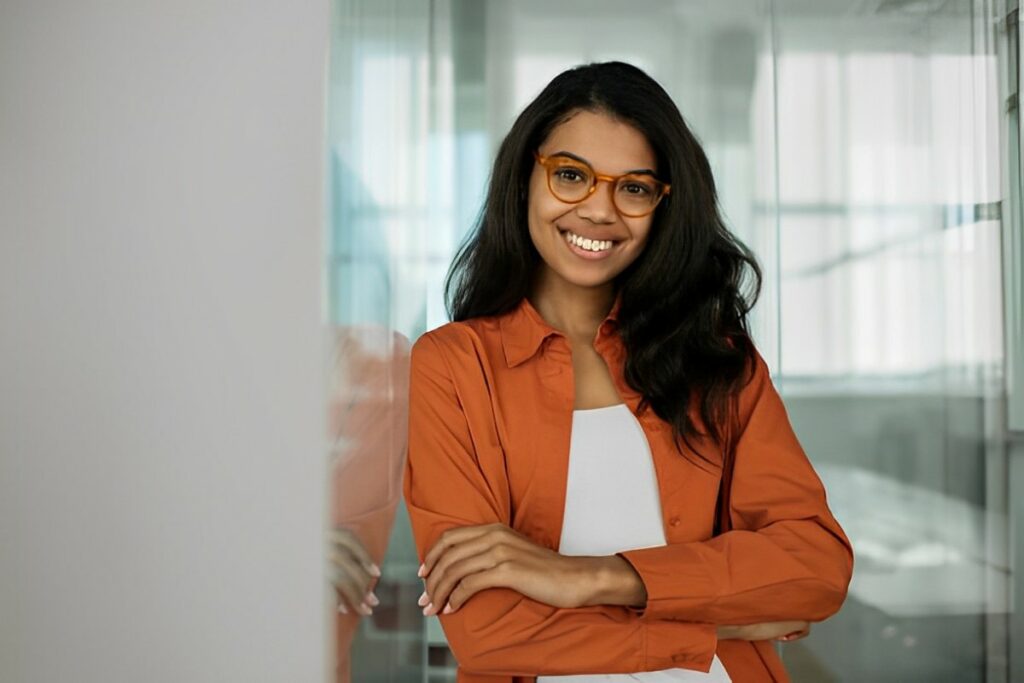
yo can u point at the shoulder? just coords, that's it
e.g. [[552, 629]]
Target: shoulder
[[755, 368], [449, 339], [458, 345], [757, 393]]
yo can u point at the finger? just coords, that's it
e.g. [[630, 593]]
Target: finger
[[349, 594], [451, 537], [453, 575], [348, 540], [796, 635], [442, 579], [495, 577], [772, 630], [778, 629], [800, 630], [454, 536], [353, 570], [354, 578]]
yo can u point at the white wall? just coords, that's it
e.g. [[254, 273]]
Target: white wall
[[161, 401]]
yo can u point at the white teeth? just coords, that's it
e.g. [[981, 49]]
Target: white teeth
[[586, 243]]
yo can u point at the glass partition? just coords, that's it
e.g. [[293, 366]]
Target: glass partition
[[856, 149], [890, 319]]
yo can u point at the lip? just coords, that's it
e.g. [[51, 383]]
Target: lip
[[585, 254]]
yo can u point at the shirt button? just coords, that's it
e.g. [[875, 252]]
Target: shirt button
[[674, 521]]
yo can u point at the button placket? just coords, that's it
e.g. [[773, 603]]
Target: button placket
[[559, 358]]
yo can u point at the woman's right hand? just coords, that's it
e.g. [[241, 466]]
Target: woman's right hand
[[774, 630]]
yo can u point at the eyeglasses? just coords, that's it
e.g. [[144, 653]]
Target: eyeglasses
[[571, 181]]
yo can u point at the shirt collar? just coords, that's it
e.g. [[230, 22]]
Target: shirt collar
[[523, 330]]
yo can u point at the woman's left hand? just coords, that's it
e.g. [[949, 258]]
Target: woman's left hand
[[468, 559]]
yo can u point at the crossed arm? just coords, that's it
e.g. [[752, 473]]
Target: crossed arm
[[466, 560], [534, 611]]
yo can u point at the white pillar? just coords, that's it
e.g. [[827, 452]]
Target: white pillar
[[161, 402]]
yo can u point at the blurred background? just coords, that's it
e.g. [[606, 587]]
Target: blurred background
[[867, 152]]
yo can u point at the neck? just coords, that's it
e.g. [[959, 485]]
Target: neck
[[574, 310]]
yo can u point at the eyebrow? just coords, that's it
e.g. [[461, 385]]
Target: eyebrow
[[637, 171]]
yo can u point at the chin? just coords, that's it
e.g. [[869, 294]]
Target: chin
[[588, 280]]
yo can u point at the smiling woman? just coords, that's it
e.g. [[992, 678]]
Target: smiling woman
[[602, 480]]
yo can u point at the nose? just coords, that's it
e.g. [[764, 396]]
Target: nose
[[599, 207]]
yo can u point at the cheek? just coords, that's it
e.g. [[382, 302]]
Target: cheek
[[543, 209], [641, 232], [537, 217]]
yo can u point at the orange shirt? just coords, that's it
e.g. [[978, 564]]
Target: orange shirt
[[490, 416]]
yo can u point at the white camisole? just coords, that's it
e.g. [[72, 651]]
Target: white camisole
[[612, 504]]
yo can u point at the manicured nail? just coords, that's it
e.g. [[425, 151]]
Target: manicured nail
[[426, 610], [424, 599], [448, 608], [374, 570], [421, 570], [341, 608], [365, 609], [372, 599]]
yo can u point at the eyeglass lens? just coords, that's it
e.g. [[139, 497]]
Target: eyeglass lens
[[571, 180]]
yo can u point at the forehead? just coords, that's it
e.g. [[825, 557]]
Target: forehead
[[609, 145]]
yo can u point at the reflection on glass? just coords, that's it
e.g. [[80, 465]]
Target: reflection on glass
[[381, 209]]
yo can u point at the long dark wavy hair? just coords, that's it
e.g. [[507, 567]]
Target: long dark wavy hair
[[683, 317]]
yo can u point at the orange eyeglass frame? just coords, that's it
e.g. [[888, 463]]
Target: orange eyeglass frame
[[612, 180]]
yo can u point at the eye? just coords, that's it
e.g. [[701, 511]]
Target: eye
[[569, 174], [637, 188]]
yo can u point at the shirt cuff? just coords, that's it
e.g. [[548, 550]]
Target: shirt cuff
[[679, 645], [675, 578]]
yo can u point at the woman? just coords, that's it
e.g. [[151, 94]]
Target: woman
[[571, 429]]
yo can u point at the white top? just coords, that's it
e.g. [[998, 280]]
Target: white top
[[611, 505]]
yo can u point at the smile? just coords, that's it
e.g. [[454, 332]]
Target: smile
[[587, 244]]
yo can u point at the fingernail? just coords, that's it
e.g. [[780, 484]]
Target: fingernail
[[375, 570], [448, 608], [424, 599], [426, 610], [420, 571], [372, 599], [341, 608], [365, 609]]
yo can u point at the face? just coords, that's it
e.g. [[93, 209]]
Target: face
[[611, 148]]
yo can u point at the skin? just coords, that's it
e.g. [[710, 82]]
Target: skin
[[352, 572], [574, 295]]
